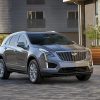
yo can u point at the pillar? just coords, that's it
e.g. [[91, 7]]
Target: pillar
[[81, 23]]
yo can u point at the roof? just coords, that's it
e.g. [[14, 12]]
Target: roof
[[27, 32], [73, 0]]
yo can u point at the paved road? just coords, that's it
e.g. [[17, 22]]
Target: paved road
[[66, 88]]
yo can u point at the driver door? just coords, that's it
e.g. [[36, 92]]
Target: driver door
[[22, 53]]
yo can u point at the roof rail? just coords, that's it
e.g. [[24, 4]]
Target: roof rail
[[51, 31]]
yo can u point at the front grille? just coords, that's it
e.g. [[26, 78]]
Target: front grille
[[73, 69], [72, 56]]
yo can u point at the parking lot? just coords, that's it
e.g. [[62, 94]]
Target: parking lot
[[62, 88]]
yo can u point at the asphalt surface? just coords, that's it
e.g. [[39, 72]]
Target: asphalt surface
[[18, 87]]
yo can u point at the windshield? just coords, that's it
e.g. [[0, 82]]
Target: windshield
[[48, 39]]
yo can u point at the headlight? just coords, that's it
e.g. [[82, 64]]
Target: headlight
[[88, 55], [47, 53]]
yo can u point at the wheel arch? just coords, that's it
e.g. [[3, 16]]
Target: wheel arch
[[1, 57], [32, 58]]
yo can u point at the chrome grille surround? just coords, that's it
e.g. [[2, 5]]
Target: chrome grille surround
[[72, 55]]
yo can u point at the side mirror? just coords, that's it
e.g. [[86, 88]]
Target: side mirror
[[74, 42], [21, 44]]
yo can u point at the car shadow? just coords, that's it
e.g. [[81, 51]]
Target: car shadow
[[23, 79], [62, 80]]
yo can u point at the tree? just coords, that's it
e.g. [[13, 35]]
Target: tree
[[93, 33]]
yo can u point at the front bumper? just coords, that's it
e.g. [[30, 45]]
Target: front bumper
[[64, 68]]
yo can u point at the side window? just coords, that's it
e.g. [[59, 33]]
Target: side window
[[8, 40], [13, 41], [22, 38]]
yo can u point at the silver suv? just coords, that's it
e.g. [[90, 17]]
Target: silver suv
[[40, 54]]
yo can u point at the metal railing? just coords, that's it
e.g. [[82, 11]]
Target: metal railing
[[36, 23], [72, 23]]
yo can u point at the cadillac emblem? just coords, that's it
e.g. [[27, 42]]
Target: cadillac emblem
[[74, 53]]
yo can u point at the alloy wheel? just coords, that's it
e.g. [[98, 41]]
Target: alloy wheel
[[33, 72], [1, 69]]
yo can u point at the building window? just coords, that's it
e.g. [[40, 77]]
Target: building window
[[35, 15], [35, 1], [35, 19], [72, 19], [72, 15], [96, 7]]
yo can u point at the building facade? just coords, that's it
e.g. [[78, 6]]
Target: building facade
[[90, 15], [39, 15], [92, 18]]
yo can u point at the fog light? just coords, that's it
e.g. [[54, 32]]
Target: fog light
[[52, 65]]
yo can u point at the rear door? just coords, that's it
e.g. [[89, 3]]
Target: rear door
[[10, 55]]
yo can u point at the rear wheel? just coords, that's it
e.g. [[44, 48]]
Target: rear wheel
[[4, 74], [34, 72], [83, 77]]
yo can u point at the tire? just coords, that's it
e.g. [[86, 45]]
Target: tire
[[34, 72], [4, 74], [83, 77]]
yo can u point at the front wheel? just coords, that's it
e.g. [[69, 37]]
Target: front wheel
[[4, 73], [83, 77], [34, 72]]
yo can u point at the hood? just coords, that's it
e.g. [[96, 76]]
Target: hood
[[63, 47]]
